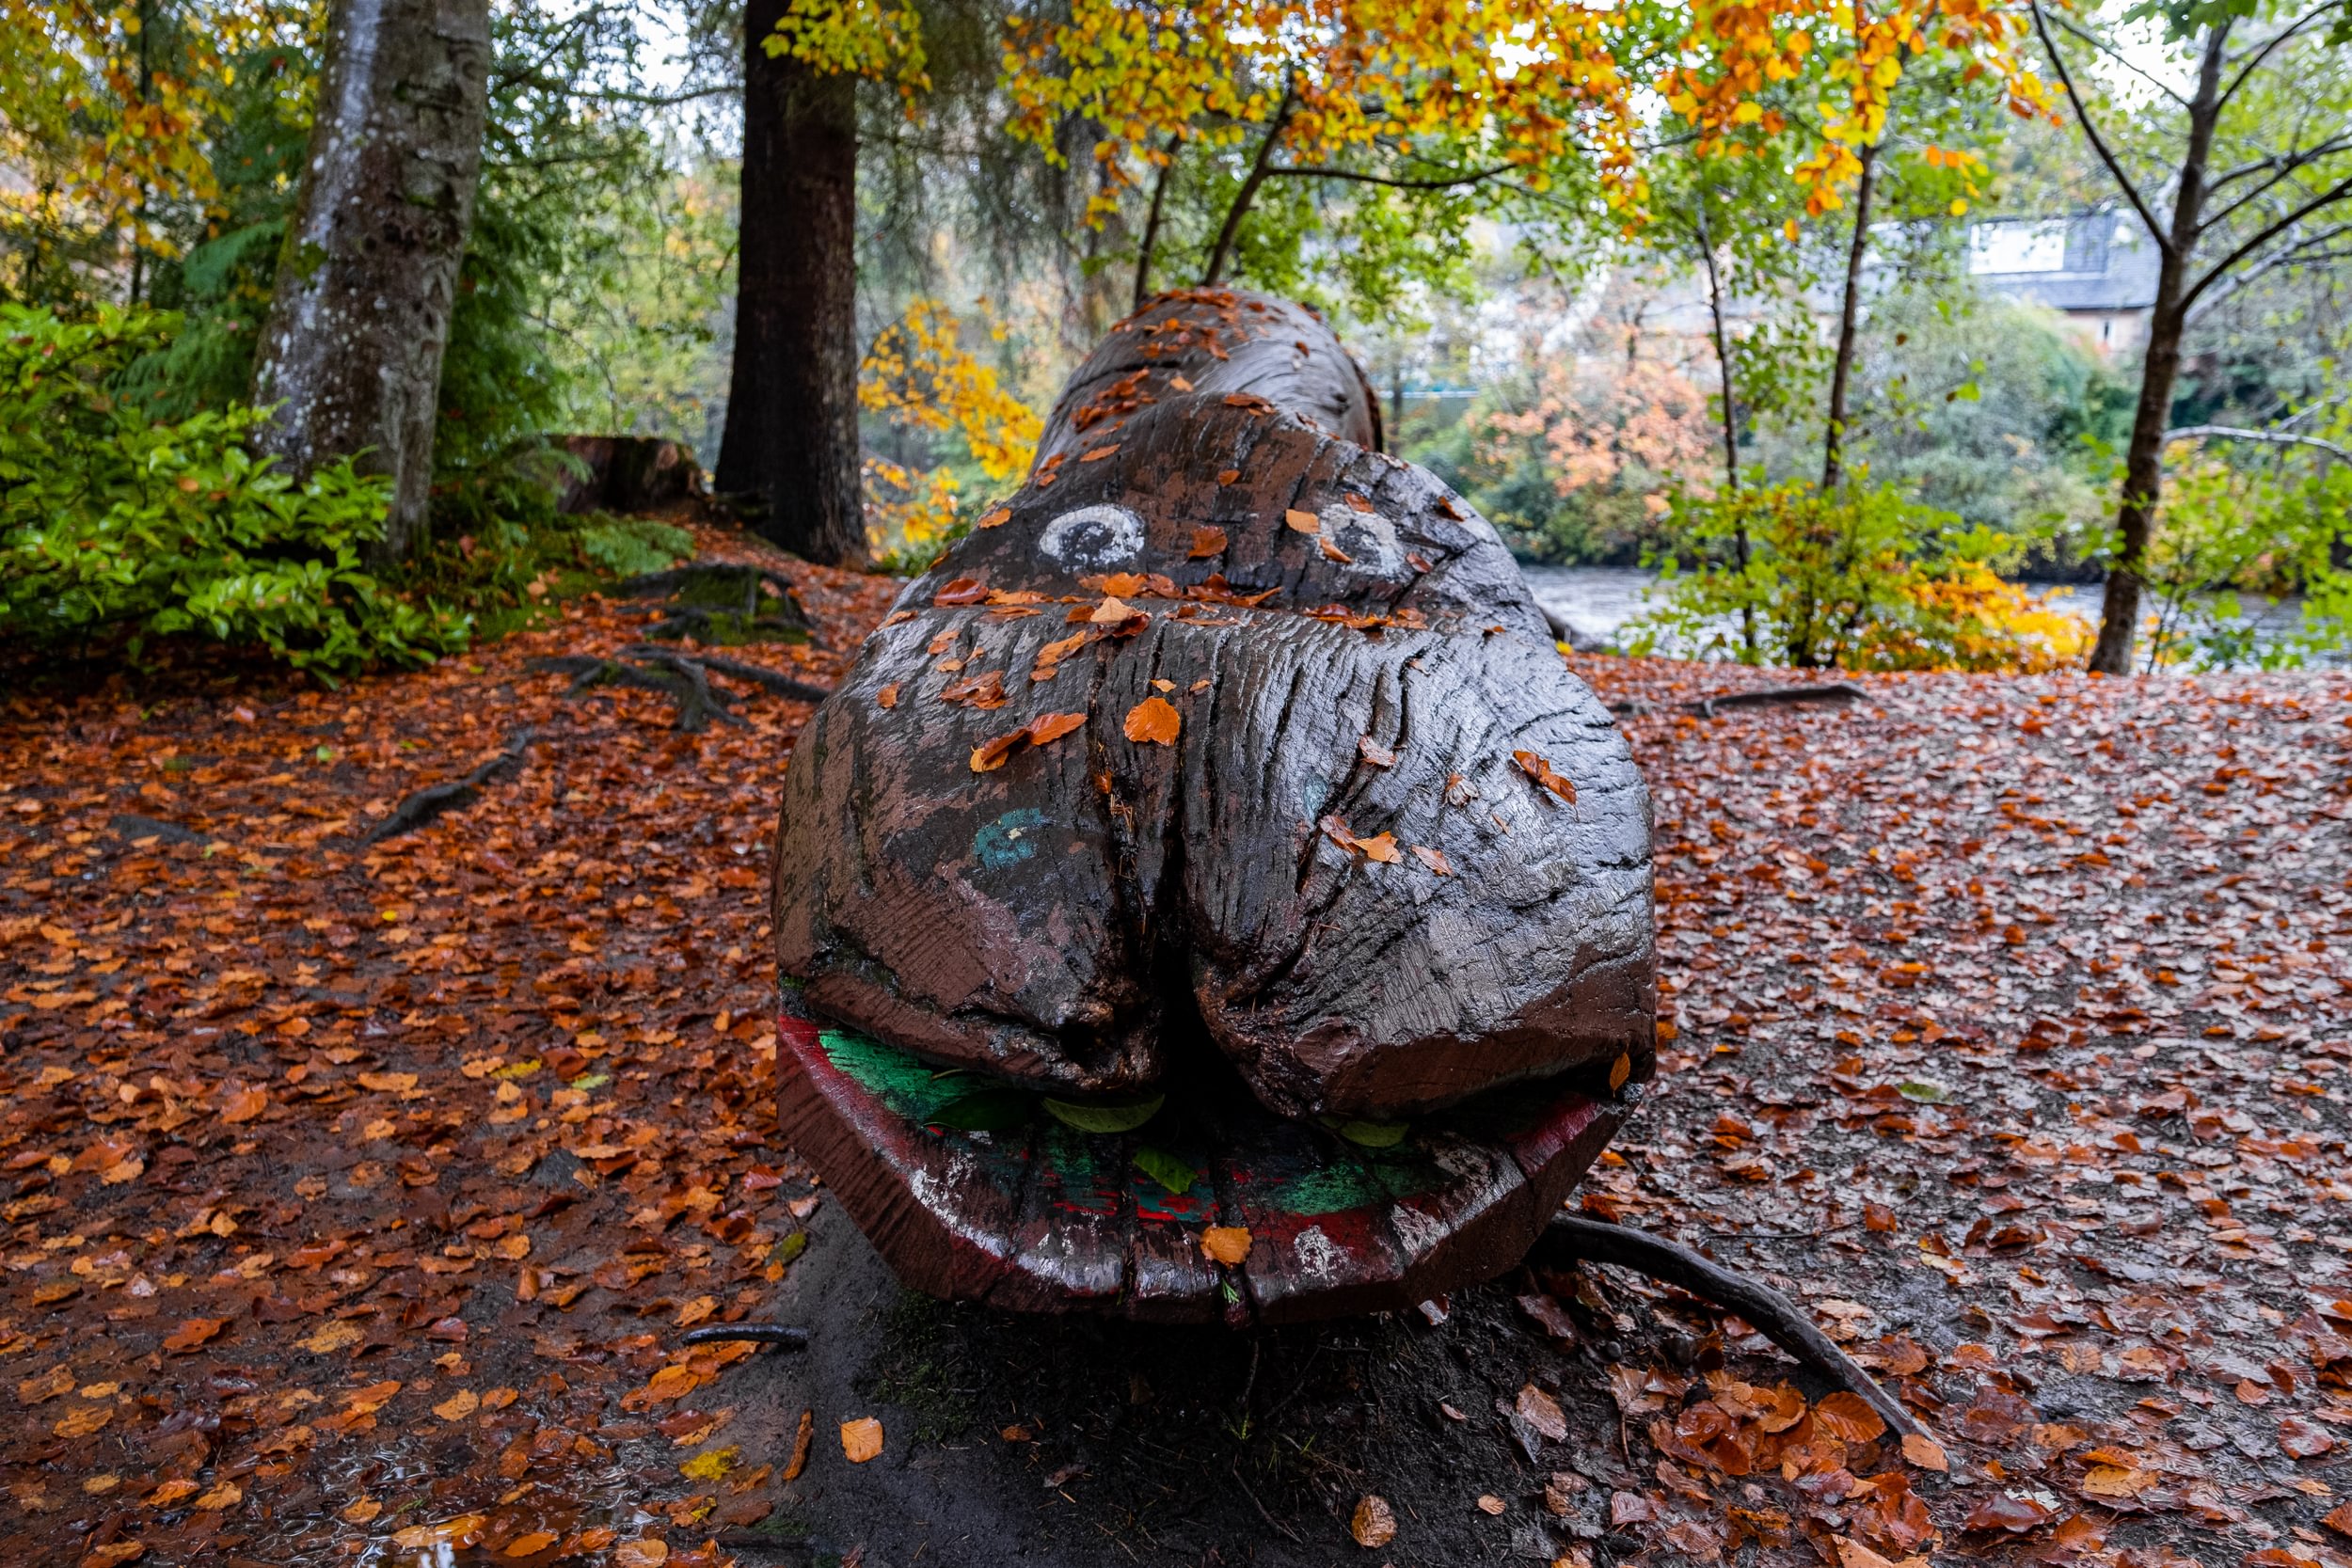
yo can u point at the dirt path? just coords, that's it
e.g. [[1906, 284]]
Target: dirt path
[[357, 1197]]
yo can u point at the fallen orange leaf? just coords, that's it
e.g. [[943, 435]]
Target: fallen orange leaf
[[861, 1439], [1047, 727], [1153, 721], [1225, 1243]]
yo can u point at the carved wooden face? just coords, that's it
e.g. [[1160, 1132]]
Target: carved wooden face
[[1228, 739]]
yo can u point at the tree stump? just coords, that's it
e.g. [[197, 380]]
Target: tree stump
[[630, 474], [1213, 841]]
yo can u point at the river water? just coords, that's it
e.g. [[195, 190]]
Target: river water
[[1596, 602]]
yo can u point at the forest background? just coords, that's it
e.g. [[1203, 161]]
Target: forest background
[[1716, 306]]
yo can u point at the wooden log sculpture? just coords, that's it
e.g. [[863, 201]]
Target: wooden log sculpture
[[1213, 843]]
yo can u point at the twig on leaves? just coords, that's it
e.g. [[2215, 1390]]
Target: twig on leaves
[[781, 1335], [758, 675], [1571, 1238], [423, 805]]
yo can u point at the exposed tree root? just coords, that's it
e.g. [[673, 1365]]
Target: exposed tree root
[[781, 1335], [133, 827], [425, 804], [680, 581], [723, 602], [758, 675], [679, 679], [1571, 1238], [1777, 696], [1770, 696], [1562, 632]]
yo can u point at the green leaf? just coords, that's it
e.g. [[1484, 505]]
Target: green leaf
[[1166, 1170], [791, 1246], [1374, 1135], [1106, 1118], [1927, 1094], [995, 1109]]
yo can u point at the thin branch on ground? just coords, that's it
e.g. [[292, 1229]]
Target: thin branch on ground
[[423, 805], [1571, 1238]]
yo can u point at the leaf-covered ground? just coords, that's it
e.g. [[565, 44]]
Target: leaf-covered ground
[[357, 1197]]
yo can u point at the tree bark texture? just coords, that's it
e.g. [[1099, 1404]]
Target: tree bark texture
[[1350, 648], [350, 354], [2160, 370], [1849, 323], [790, 454]]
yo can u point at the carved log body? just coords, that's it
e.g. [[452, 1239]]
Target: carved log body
[[1301, 791]]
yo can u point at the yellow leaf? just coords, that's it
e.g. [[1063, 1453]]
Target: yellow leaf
[[712, 1466]]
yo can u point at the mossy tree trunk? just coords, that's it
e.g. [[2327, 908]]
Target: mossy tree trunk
[[350, 354]]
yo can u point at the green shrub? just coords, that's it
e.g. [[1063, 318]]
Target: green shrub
[[631, 546], [2251, 564], [1864, 578], [113, 520], [501, 550]]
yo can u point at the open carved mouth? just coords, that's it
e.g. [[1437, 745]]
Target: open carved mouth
[[1209, 895]]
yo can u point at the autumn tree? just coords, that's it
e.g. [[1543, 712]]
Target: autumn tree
[[1733, 212], [2241, 171], [106, 115], [350, 357], [1857, 55], [1380, 102]]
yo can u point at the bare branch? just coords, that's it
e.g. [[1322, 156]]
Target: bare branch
[[2307, 251], [556, 87], [1393, 183], [1256, 177], [2273, 42], [2272, 438], [2286, 169], [2328, 197], [2281, 164], [2121, 59], [2098, 143]]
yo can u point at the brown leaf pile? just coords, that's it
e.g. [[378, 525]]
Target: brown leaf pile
[[357, 1197]]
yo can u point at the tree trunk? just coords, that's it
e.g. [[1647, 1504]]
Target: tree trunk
[[1230, 229], [2143, 478], [2160, 366], [1151, 223], [1731, 422], [1848, 313], [352, 352], [789, 455]]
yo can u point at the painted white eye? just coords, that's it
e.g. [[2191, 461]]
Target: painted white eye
[[1093, 536]]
